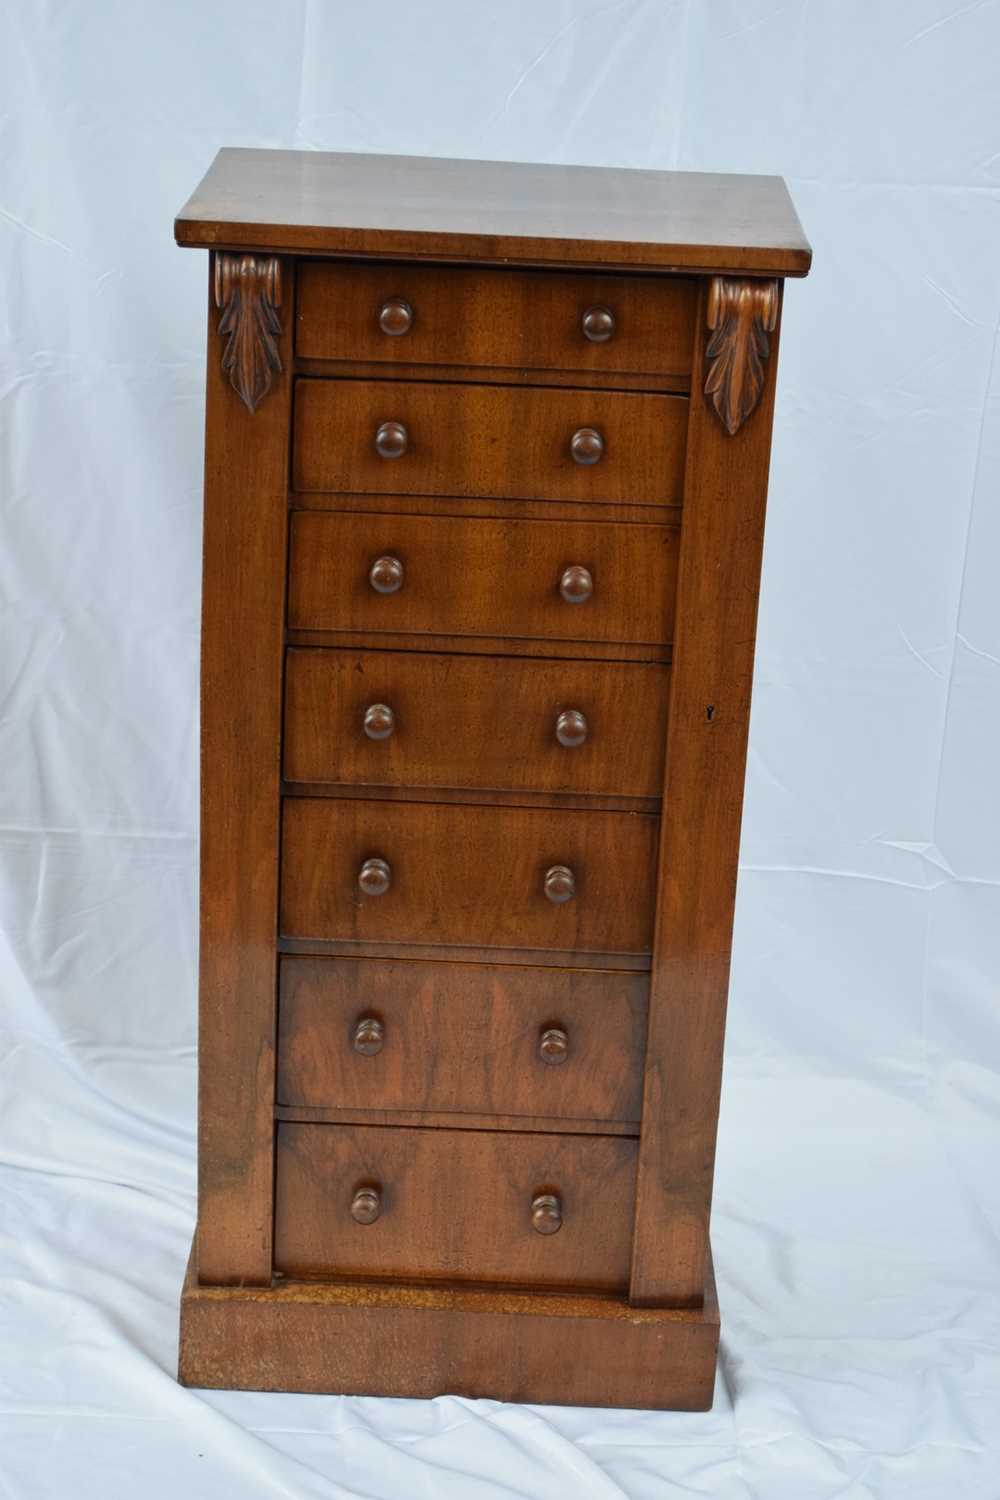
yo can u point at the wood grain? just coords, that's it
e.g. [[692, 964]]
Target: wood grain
[[456, 1205], [462, 722], [245, 528], [428, 208], [505, 442], [699, 846], [369, 1339], [468, 875], [461, 1038], [478, 577], [522, 319]]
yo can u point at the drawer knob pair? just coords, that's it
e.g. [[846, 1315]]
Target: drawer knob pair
[[586, 446], [546, 1208], [375, 877], [379, 723], [386, 574], [598, 324], [369, 1039], [395, 317]]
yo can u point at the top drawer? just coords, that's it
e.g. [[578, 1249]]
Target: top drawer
[[532, 320]]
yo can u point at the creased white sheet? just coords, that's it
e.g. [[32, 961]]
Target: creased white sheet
[[857, 1218]]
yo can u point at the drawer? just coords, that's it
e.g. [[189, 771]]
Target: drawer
[[477, 876], [405, 314], [488, 441], [465, 1038], [454, 1205], [409, 719], [465, 577]]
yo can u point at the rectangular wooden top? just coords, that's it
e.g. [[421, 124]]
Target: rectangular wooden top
[[431, 208]]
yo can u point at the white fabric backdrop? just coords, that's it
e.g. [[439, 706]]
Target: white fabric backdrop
[[858, 1213]]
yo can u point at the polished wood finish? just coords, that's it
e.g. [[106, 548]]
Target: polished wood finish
[[455, 1206], [365, 1339], [418, 719], [468, 876], [496, 320], [467, 895], [699, 847], [245, 528], [451, 577], [462, 1038], [430, 208], [386, 437]]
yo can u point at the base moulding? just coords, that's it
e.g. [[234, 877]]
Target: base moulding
[[375, 1339]]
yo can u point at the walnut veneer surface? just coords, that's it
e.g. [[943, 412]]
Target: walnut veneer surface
[[486, 467]]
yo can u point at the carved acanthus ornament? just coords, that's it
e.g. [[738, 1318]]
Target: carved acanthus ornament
[[248, 291], [741, 314]]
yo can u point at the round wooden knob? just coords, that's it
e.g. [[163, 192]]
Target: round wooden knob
[[571, 728], [366, 1205], [396, 317], [369, 1034], [586, 445], [598, 324], [386, 575], [560, 884], [546, 1213], [576, 584], [379, 722], [375, 877], [392, 440], [553, 1046]]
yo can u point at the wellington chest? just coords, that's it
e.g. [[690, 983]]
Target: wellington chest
[[486, 466]]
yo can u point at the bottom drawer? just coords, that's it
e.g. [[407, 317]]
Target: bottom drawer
[[454, 1205]]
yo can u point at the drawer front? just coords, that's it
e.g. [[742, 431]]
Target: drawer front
[[488, 441], [483, 578], [454, 1205], [401, 314], [465, 1038], [476, 876], [407, 719]]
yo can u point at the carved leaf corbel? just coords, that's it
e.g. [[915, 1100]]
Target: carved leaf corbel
[[741, 314], [248, 292]]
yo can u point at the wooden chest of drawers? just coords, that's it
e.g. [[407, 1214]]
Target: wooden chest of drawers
[[487, 453]]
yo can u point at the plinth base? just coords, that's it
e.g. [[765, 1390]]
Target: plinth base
[[389, 1340]]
